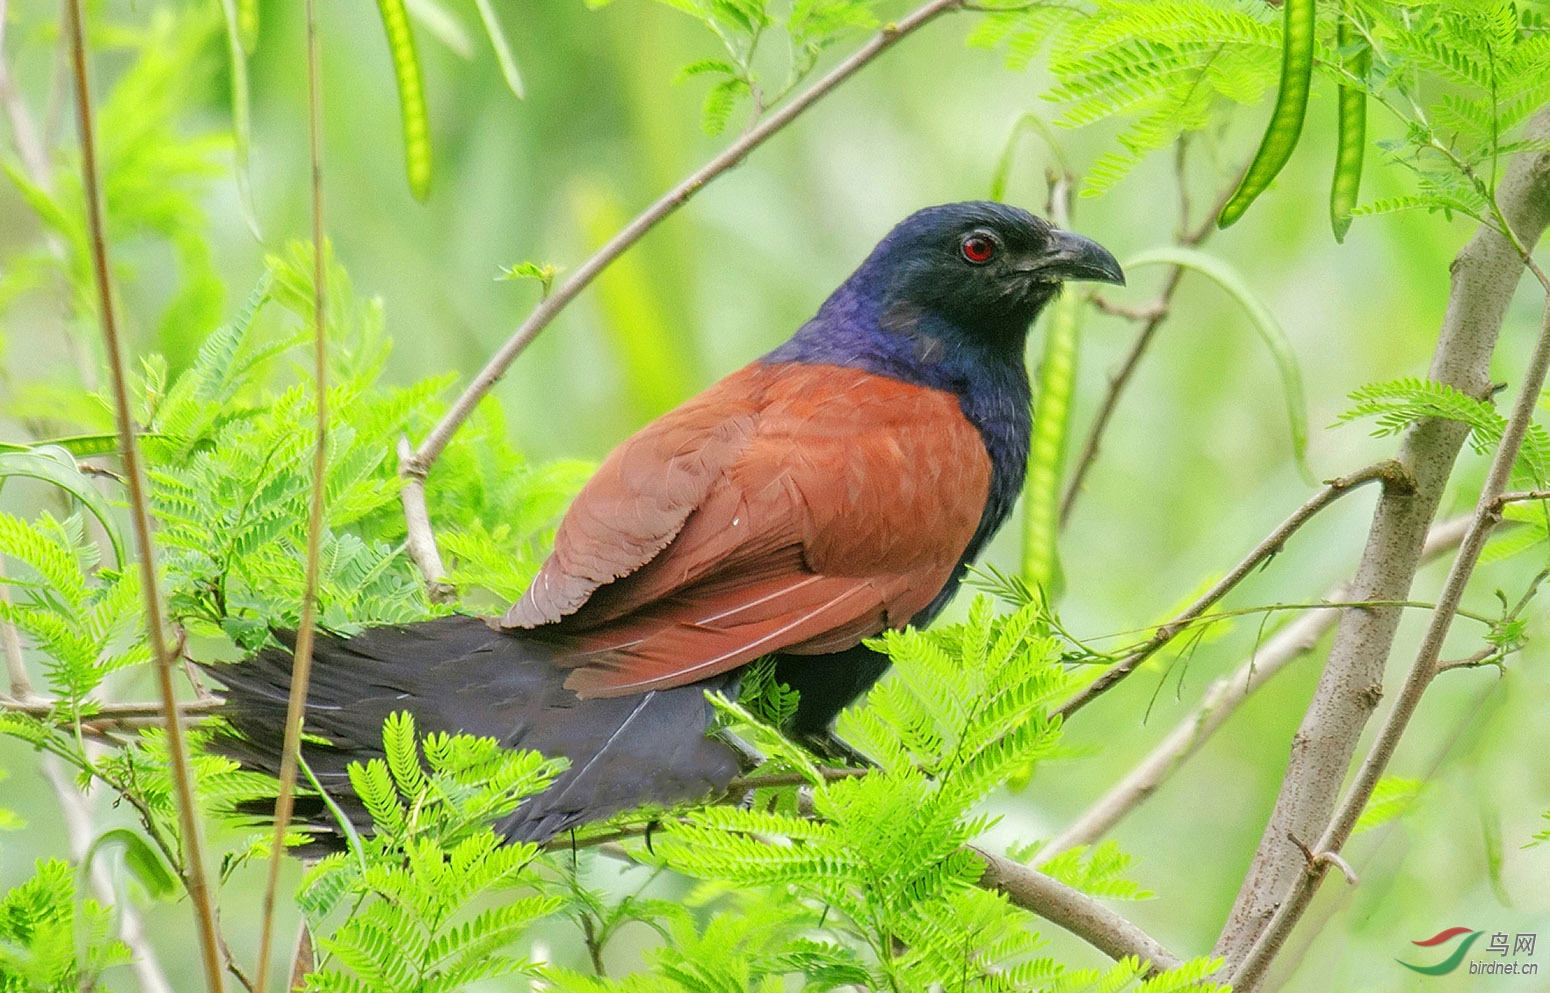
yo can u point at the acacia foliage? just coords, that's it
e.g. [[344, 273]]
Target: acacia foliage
[[867, 880]]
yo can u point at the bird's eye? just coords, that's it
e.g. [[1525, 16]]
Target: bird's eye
[[977, 248]]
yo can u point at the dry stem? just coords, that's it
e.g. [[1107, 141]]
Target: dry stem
[[183, 786], [301, 658]]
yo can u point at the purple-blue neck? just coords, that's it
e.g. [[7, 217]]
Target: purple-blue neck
[[860, 328]]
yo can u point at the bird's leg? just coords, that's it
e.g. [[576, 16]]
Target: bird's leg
[[749, 758], [832, 748]]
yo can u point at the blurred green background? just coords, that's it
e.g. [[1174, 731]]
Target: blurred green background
[[1195, 470]]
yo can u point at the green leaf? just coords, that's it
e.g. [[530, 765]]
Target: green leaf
[[503, 56], [1390, 798], [139, 857], [719, 103], [53, 464], [703, 66], [543, 272]]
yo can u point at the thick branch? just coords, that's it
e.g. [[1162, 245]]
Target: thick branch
[[415, 467], [1073, 910], [1394, 478], [1422, 671], [1484, 276], [1220, 702], [1027, 888]]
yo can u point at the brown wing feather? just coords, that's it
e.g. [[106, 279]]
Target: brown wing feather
[[843, 512], [639, 498]]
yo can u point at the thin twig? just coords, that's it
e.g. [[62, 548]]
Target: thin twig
[[1117, 384], [1148, 312], [1220, 701], [1154, 315], [1474, 660], [1521, 497], [112, 714], [1422, 670], [415, 468], [231, 965], [301, 658], [177, 748], [1392, 475]]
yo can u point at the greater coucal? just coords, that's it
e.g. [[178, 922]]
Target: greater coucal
[[838, 486]]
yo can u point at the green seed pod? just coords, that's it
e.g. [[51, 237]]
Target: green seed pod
[[1291, 106]]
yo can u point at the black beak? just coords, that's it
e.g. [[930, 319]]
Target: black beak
[[1070, 256]]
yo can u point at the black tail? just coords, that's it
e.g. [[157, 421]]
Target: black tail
[[457, 674]]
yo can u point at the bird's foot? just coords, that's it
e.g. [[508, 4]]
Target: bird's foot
[[749, 758], [832, 748]]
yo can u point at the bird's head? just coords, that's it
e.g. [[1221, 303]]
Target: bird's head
[[986, 268]]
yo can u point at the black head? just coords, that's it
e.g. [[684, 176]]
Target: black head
[[986, 267]]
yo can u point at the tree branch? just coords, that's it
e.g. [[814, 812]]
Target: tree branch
[[1484, 276], [1026, 888], [1220, 702], [177, 748], [1394, 478], [112, 714], [1422, 671], [1083, 916], [416, 465]]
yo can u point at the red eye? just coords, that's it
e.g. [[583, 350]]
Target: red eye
[[978, 249]]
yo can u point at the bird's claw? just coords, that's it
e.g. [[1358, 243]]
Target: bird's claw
[[831, 747]]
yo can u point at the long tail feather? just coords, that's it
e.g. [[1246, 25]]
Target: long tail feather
[[457, 674]]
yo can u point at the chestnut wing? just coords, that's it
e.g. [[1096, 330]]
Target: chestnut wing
[[844, 511]]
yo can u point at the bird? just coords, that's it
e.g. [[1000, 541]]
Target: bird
[[836, 487]]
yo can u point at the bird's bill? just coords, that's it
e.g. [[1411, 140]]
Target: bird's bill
[[1070, 256]]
